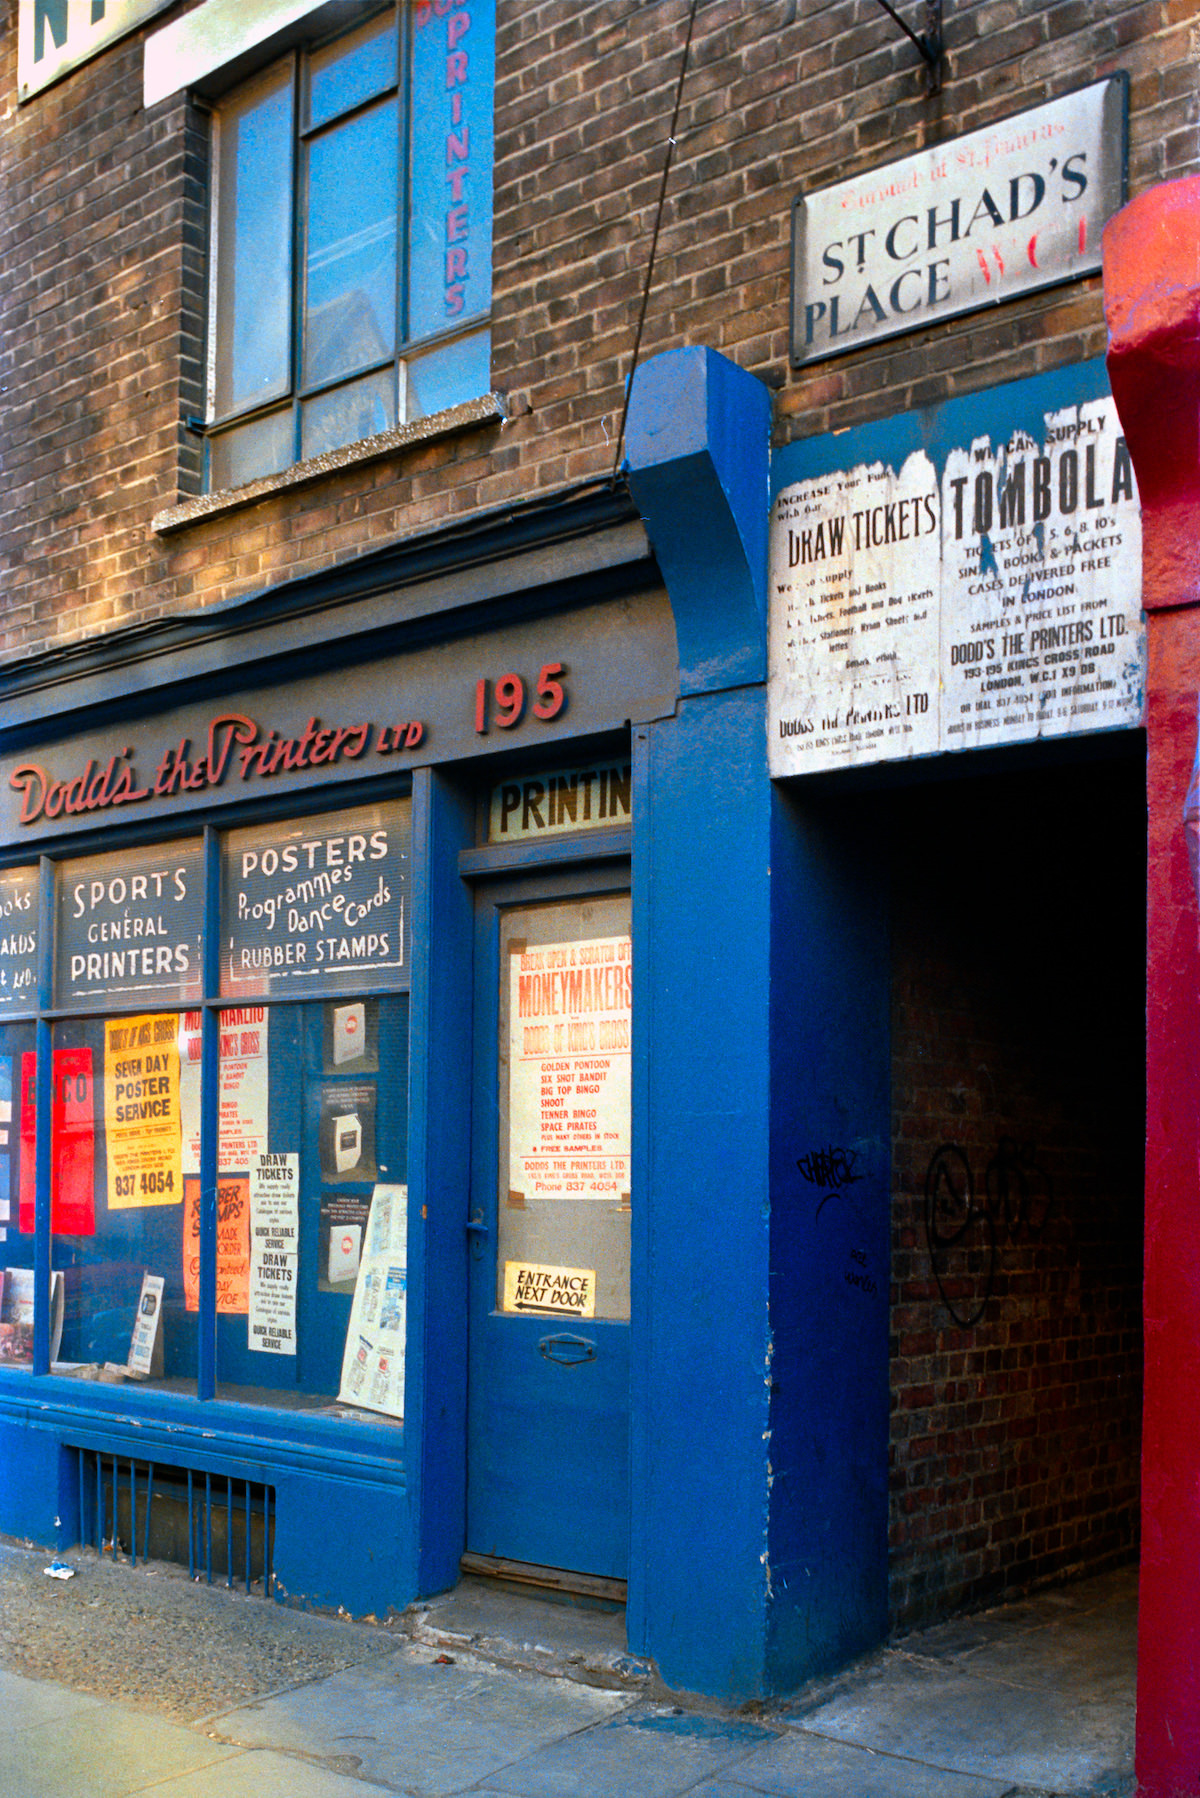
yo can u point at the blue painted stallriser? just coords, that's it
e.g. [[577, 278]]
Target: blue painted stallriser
[[341, 1543]]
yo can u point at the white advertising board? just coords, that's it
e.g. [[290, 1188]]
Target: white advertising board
[[985, 593]]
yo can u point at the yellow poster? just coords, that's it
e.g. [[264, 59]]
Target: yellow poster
[[142, 1112]]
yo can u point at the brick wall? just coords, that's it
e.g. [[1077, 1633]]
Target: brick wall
[[102, 229], [1018, 1037]]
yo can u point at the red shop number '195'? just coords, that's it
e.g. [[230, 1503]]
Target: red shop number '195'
[[502, 702]]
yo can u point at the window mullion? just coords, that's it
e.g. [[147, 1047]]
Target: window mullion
[[210, 1099], [44, 1120], [403, 202], [299, 263]]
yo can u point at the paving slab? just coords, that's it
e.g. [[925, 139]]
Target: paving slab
[[26, 1703], [102, 1752], [1041, 1735], [259, 1773], [647, 1751], [799, 1765], [1091, 1624], [417, 1725]]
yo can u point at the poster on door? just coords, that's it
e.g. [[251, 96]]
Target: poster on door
[[570, 1012], [141, 1112], [233, 1245], [244, 1088], [73, 1144]]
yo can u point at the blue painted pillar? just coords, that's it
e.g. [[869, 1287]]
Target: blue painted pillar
[[759, 1446], [700, 1460], [830, 1228], [698, 435], [438, 1183]]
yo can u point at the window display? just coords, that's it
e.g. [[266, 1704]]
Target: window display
[[219, 1252]]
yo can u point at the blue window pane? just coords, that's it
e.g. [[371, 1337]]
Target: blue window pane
[[347, 72], [347, 414], [448, 376], [254, 244], [450, 203], [247, 452], [350, 298]]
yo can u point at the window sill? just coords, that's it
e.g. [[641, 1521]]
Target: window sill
[[165, 1421], [485, 411]]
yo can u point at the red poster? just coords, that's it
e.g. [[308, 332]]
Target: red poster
[[28, 1146], [73, 1122]]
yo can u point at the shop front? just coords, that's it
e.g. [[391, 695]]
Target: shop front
[[384, 1061], [276, 985]]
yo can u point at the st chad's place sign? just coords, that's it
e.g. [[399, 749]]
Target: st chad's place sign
[[969, 222]]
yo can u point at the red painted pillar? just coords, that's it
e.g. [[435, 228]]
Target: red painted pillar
[[1152, 298]]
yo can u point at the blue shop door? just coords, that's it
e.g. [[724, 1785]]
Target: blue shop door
[[548, 1442]]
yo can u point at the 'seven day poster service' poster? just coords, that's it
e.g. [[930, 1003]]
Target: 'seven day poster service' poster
[[141, 1112]]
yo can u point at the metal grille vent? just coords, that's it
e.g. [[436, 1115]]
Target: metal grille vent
[[212, 1523]]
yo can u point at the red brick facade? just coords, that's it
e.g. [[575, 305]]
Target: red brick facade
[[103, 228], [1017, 1045]]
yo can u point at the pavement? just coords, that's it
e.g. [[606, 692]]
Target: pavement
[[123, 1680]]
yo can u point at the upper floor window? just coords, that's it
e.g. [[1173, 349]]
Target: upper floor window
[[352, 238]]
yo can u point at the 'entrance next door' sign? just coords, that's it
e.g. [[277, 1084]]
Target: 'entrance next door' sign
[[966, 223], [962, 578]]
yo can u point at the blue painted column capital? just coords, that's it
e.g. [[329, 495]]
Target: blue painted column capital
[[698, 452]]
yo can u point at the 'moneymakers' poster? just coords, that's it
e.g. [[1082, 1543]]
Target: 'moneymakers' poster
[[570, 1006]]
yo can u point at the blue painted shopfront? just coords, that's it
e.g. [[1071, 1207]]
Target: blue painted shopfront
[[744, 1418]]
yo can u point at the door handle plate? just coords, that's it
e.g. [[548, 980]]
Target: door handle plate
[[567, 1351]]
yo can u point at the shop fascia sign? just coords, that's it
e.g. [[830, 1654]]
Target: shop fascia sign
[[972, 221], [55, 36], [236, 745], [233, 746]]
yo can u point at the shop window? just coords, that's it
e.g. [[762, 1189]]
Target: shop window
[[351, 239], [227, 1190]]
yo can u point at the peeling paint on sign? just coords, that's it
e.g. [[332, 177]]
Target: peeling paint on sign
[[976, 593]]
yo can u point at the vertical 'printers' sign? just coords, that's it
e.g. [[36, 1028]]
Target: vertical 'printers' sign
[[963, 578], [965, 223]]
